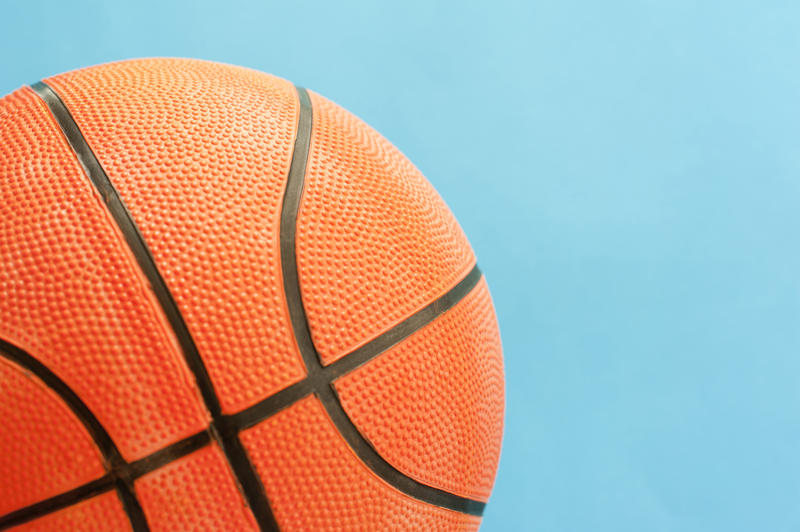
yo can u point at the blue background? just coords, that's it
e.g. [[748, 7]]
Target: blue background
[[629, 175]]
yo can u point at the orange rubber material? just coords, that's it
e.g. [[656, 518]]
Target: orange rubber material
[[196, 492], [102, 513], [199, 153], [39, 432], [375, 242], [73, 296], [432, 406], [314, 482]]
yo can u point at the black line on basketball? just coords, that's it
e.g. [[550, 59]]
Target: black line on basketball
[[169, 454], [288, 231], [272, 405], [133, 237], [53, 504], [405, 328], [240, 464], [362, 447], [98, 433], [129, 501], [128, 472], [111, 456], [385, 470], [317, 375]]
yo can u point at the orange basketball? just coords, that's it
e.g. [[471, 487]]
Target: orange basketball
[[228, 304]]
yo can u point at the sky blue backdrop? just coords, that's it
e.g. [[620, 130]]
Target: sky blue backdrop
[[629, 175]]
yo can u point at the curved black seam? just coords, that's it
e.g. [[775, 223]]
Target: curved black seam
[[405, 328], [288, 232], [108, 481], [59, 502], [112, 459], [240, 463], [362, 446], [372, 459], [318, 377]]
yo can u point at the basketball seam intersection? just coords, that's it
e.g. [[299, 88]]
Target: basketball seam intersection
[[112, 459]]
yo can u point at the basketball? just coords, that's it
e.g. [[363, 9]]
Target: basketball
[[226, 303]]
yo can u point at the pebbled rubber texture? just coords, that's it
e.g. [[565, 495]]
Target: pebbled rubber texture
[[314, 482], [102, 513], [34, 467], [196, 492], [375, 242], [73, 296], [199, 153], [432, 406]]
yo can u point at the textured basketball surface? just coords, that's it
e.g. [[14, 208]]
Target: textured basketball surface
[[228, 304]]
